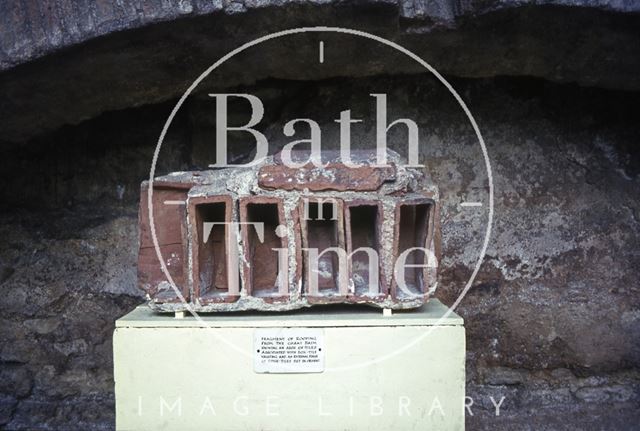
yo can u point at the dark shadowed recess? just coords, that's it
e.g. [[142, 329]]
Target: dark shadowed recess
[[101, 162]]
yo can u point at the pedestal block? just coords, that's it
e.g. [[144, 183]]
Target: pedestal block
[[322, 369]]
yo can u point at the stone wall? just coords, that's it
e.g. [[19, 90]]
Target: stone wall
[[553, 318]]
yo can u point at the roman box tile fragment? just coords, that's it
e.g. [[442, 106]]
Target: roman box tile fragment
[[275, 238]]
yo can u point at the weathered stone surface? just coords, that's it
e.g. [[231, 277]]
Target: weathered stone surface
[[7, 405], [15, 380], [43, 326], [69, 284], [503, 376], [549, 393], [31, 29], [118, 55], [557, 299]]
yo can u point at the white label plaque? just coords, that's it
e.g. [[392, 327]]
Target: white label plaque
[[288, 350]]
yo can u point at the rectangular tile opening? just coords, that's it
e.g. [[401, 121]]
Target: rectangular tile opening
[[170, 229], [212, 249], [413, 226], [363, 231], [263, 261], [322, 232]]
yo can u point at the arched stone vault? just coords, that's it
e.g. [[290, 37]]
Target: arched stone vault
[[65, 62]]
